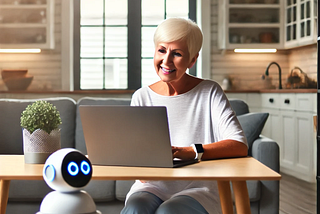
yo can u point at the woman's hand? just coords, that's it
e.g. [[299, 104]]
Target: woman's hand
[[183, 153]]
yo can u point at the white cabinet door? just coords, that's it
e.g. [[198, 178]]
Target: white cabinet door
[[297, 148], [300, 23], [288, 145], [306, 146], [273, 127], [27, 24]]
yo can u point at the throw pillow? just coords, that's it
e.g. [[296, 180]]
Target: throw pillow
[[252, 125]]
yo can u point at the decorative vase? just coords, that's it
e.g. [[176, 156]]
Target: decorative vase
[[39, 145]]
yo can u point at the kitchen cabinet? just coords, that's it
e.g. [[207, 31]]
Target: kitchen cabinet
[[290, 124], [300, 23], [267, 23], [27, 24], [250, 24]]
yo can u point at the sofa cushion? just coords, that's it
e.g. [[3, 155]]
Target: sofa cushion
[[252, 125], [122, 188], [28, 191], [11, 135], [35, 191], [239, 106], [101, 190], [79, 138]]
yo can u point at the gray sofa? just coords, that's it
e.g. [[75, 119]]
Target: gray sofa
[[26, 196]]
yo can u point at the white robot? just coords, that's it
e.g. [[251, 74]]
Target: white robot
[[67, 171]]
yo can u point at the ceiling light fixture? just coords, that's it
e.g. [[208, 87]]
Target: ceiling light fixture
[[20, 50], [255, 50]]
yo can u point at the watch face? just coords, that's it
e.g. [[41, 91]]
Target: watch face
[[199, 148]]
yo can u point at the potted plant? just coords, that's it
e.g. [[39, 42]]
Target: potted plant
[[41, 134]]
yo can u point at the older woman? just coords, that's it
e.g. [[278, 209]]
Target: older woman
[[202, 123]]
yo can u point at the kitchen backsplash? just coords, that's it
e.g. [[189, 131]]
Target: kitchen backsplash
[[246, 71]]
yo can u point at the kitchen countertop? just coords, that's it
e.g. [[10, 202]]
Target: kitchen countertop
[[306, 90]]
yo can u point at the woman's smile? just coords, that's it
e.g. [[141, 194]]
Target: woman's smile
[[167, 71]]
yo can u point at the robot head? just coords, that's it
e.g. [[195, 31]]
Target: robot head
[[67, 170]]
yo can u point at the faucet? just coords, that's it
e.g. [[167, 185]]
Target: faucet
[[267, 72]]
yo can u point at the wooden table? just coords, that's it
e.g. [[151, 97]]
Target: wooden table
[[236, 170]]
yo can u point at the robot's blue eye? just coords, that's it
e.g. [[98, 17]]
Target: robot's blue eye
[[85, 167], [73, 168]]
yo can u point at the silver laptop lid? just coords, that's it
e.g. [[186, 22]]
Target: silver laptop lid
[[126, 135]]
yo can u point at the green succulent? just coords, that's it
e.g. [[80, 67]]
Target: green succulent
[[40, 115]]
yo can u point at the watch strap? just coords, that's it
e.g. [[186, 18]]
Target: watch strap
[[198, 149]]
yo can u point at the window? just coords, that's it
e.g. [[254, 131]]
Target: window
[[114, 38]]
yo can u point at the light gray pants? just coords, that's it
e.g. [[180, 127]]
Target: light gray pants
[[148, 203]]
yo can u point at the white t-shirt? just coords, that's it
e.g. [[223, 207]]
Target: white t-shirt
[[201, 115]]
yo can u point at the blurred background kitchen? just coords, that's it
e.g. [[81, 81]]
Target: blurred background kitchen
[[104, 48]]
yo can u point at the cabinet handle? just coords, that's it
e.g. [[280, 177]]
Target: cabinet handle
[[287, 101], [271, 100]]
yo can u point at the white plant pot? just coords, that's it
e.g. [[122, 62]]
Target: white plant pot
[[39, 145]]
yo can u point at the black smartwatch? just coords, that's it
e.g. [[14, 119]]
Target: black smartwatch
[[198, 149]]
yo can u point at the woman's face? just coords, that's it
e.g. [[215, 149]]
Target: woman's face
[[171, 60]]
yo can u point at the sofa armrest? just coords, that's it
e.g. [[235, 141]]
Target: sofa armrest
[[266, 151]]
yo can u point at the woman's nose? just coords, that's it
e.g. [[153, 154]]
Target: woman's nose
[[167, 58]]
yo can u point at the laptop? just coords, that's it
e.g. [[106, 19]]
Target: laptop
[[128, 136]]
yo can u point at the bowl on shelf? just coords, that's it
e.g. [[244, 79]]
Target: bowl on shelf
[[18, 83], [13, 73]]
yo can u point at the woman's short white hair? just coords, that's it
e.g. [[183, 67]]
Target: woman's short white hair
[[177, 29]]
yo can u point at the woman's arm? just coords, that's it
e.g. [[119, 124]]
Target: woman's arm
[[221, 149]]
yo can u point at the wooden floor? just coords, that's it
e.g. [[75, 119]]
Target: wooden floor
[[297, 196]]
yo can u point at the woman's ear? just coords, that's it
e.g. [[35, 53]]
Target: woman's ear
[[193, 61]]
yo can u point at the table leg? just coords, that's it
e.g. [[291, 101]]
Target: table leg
[[225, 197], [4, 194], [241, 197]]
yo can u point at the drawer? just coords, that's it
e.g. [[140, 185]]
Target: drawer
[[288, 101], [254, 100], [306, 102], [270, 100]]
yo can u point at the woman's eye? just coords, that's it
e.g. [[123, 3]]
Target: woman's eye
[[177, 54], [161, 51]]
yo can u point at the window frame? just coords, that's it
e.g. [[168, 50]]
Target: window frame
[[70, 44], [134, 44]]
